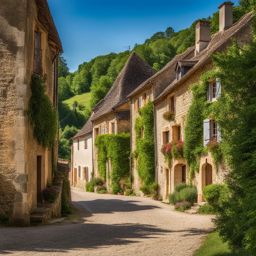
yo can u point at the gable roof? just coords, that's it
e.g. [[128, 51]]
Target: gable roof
[[132, 75], [169, 68], [219, 41], [86, 129], [45, 17]]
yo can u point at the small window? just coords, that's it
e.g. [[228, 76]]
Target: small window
[[86, 174], [176, 133], [97, 132], [37, 53], [214, 90], [78, 144], [139, 103], [144, 97], [172, 104], [85, 144], [211, 131], [166, 137]]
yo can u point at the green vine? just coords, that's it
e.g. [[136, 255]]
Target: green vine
[[42, 114], [173, 150], [145, 154], [199, 110], [115, 148]]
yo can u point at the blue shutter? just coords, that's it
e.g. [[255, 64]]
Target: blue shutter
[[206, 131], [218, 88], [218, 133]]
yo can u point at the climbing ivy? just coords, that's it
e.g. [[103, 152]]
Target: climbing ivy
[[41, 113], [199, 110], [145, 154], [115, 148]]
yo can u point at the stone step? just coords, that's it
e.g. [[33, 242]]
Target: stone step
[[40, 215]]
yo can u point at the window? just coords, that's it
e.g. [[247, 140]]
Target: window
[[37, 53], [166, 137], [214, 90], [97, 132], [211, 131], [113, 128], [78, 144], [85, 144], [139, 103], [176, 133], [172, 104], [144, 97]]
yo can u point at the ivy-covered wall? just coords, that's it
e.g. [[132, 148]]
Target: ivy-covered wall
[[144, 153], [200, 110], [115, 148]]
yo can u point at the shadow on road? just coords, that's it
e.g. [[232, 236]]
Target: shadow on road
[[63, 238], [112, 205]]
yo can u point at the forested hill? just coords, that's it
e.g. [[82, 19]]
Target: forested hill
[[96, 76]]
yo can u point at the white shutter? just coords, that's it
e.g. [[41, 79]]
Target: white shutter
[[218, 133], [218, 88], [206, 131], [209, 92]]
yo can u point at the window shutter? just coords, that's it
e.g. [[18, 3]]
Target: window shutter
[[206, 131], [209, 92], [218, 88], [218, 133]]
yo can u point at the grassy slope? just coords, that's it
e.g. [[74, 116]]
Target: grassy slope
[[213, 246], [82, 99]]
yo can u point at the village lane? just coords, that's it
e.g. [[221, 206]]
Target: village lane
[[112, 226]]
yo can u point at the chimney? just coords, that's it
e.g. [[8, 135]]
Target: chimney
[[226, 16], [203, 35]]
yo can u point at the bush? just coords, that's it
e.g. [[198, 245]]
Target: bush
[[101, 189], [95, 182], [183, 193], [215, 194], [49, 194], [98, 182], [206, 209], [151, 190], [89, 187]]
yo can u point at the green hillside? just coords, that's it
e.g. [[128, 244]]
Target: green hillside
[[82, 101]]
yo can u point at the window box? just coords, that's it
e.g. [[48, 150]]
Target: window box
[[169, 115]]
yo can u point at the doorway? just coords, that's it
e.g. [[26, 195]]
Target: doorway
[[167, 181]]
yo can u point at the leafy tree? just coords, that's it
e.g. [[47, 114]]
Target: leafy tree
[[63, 69], [64, 89], [169, 32]]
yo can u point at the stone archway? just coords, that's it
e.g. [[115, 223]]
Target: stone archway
[[180, 174], [207, 174]]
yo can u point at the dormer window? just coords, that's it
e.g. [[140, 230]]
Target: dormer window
[[214, 90], [183, 67], [37, 53]]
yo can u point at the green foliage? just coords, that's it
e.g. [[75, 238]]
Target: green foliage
[[206, 209], [64, 90], [89, 187], [116, 149], [65, 197], [236, 113], [63, 69], [144, 128], [151, 190], [200, 110], [183, 193], [216, 195], [42, 114]]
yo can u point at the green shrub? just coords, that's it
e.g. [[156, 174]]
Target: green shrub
[[65, 197], [150, 190], [89, 186], [183, 193], [42, 114], [97, 182], [101, 189], [206, 209], [215, 194]]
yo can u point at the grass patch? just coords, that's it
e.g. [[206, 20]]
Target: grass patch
[[82, 99], [214, 246]]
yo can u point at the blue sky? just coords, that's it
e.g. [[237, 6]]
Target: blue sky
[[89, 28]]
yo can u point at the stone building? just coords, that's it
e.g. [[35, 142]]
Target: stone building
[[112, 114], [176, 99], [81, 156], [29, 44]]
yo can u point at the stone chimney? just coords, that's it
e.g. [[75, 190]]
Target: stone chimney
[[203, 35], [226, 16]]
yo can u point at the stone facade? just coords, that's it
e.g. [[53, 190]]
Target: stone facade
[[19, 151]]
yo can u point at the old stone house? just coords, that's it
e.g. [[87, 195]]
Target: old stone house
[[112, 114], [176, 99], [29, 44], [81, 156]]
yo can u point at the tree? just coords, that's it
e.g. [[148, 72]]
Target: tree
[[64, 89], [169, 32], [63, 69], [235, 112]]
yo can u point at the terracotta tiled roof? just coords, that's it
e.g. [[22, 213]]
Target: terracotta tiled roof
[[45, 17], [87, 128], [219, 41], [168, 69], [132, 75]]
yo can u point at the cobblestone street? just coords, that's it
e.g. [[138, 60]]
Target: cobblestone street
[[113, 225]]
